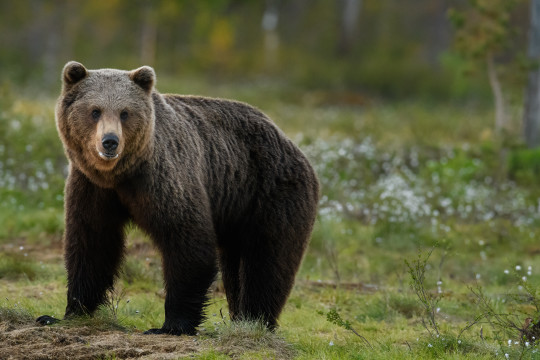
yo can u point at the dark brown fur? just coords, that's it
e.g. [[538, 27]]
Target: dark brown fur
[[211, 181]]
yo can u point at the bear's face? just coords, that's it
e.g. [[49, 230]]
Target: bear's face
[[105, 117]]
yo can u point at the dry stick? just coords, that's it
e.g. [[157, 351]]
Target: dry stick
[[409, 345], [333, 260], [221, 314], [360, 336], [474, 322], [426, 327], [482, 333]]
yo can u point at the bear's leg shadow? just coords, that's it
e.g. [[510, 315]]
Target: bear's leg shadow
[[94, 244]]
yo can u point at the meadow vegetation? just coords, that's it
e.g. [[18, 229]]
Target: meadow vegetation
[[425, 246]]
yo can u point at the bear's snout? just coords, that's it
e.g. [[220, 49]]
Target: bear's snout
[[110, 147], [110, 142]]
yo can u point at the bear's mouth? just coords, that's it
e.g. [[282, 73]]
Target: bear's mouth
[[108, 156]]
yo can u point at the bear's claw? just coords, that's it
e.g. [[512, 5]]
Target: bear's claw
[[47, 320]]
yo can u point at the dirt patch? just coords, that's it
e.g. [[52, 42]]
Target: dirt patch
[[20, 338], [27, 341]]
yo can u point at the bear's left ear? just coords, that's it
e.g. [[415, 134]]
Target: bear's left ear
[[73, 73], [144, 76]]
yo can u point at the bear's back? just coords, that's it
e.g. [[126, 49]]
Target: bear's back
[[244, 152]]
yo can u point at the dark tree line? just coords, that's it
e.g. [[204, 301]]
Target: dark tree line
[[378, 46]]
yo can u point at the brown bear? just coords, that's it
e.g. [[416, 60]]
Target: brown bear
[[211, 182]]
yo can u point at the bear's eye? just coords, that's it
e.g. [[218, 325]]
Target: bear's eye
[[96, 114], [123, 115]]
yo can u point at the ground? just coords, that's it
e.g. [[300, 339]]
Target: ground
[[31, 342]]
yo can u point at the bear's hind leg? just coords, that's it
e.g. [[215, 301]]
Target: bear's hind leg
[[267, 272]]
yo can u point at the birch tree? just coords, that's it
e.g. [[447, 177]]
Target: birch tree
[[483, 33]]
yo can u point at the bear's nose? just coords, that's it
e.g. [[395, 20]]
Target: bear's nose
[[109, 142]]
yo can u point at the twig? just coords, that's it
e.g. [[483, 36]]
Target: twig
[[474, 322]]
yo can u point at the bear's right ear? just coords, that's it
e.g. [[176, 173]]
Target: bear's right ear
[[73, 73], [144, 76]]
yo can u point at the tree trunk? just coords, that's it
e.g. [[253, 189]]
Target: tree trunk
[[53, 43], [500, 107], [439, 32], [349, 11], [148, 35], [531, 115], [269, 25]]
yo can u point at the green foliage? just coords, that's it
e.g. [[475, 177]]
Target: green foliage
[[15, 266], [14, 314], [135, 272], [32, 168], [484, 29], [524, 165], [334, 317]]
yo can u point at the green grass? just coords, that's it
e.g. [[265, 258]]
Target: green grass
[[397, 180]]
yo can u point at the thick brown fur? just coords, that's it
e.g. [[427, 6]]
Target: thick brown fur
[[213, 182]]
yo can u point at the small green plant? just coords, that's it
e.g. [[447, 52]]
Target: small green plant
[[14, 314], [114, 297], [335, 318], [516, 327], [15, 266], [428, 300]]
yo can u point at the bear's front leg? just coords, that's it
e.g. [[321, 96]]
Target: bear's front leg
[[93, 244], [189, 268]]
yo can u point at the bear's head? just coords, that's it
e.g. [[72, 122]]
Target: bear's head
[[105, 117]]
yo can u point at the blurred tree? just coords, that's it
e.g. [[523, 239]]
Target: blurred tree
[[148, 33], [393, 50], [531, 116], [482, 33], [349, 11], [269, 24], [437, 30]]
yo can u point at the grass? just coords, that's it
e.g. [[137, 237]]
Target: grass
[[399, 180]]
